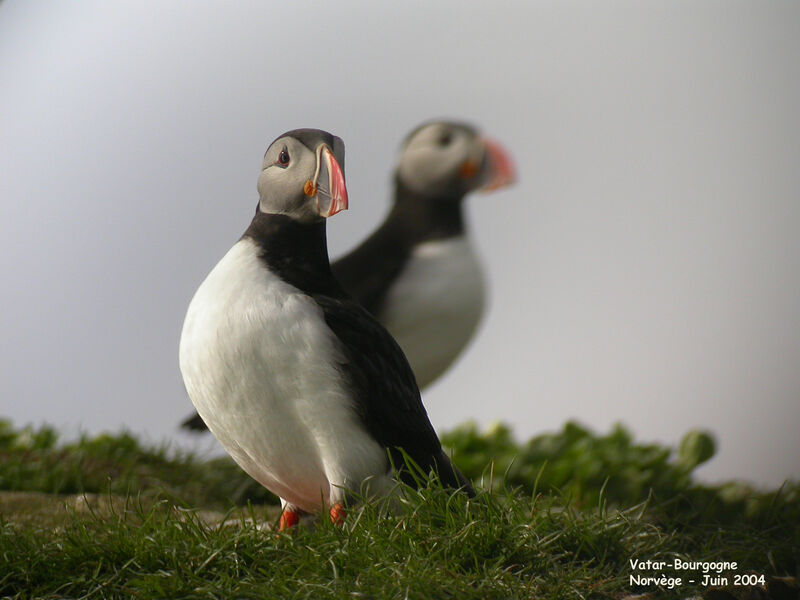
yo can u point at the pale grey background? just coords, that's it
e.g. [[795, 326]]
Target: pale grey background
[[646, 268]]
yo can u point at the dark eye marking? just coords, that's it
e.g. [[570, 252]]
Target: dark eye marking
[[283, 158], [445, 138]]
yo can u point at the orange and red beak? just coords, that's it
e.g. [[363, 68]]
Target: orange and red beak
[[499, 168], [328, 184]]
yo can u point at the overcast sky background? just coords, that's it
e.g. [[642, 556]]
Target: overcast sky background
[[645, 269]]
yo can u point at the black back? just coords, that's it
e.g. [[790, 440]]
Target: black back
[[369, 271]]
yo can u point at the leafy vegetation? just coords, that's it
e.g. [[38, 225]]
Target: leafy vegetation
[[578, 463], [585, 467], [560, 516]]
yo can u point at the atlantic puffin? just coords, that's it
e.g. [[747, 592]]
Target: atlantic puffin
[[305, 389], [418, 273]]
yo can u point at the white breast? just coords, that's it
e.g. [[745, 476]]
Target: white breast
[[435, 305], [260, 366]]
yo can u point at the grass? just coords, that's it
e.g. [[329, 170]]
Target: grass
[[440, 547], [34, 460], [147, 532]]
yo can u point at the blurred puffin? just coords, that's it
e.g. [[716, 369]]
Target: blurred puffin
[[300, 384], [418, 273]]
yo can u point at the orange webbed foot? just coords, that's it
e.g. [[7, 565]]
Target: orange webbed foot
[[289, 518], [338, 513]]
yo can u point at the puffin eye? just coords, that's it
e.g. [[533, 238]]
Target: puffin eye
[[445, 138], [283, 157]]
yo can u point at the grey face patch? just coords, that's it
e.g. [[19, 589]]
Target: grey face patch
[[281, 184], [467, 128], [433, 159]]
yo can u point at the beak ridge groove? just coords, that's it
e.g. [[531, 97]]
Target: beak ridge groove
[[329, 184]]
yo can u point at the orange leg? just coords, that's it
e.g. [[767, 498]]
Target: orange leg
[[338, 513], [289, 518]]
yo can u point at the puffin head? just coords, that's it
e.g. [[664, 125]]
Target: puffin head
[[303, 176], [443, 158]]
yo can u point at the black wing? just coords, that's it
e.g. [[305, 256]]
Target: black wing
[[368, 272], [385, 390], [194, 423]]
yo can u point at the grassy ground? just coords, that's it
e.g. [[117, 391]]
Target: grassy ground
[[107, 518]]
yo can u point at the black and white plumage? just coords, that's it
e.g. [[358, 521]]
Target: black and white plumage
[[418, 273], [300, 384]]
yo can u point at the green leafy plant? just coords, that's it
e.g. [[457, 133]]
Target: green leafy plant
[[578, 463]]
